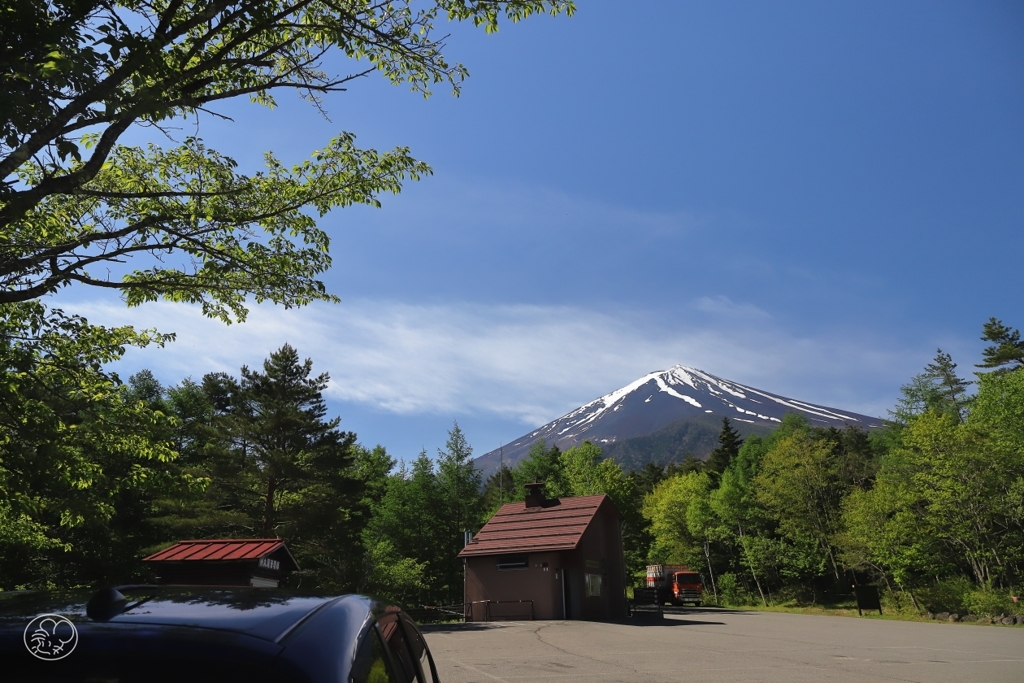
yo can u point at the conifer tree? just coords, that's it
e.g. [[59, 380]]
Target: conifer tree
[[144, 386], [938, 388], [690, 463], [404, 530], [295, 476], [952, 389], [729, 443], [458, 483], [542, 463], [499, 489], [1006, 349], [373, 466]]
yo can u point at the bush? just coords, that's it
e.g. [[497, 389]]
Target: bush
[[963, 596], [730, 592], [390, 576], [991, 602], [900, 602], [948, 595], [796, 595]]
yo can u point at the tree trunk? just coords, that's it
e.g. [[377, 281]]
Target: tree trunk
[[707, 556], [268, 508], [832, 560], [751, 566]]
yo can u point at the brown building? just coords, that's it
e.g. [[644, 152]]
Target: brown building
[[548, 559], [259, 562]]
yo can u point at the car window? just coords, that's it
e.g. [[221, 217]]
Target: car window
[[420, 651], [394, 639], [371, 662]]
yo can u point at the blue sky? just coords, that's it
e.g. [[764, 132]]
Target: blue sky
[[805, 197]]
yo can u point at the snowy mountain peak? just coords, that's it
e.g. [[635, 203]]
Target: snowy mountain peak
[[670, 397]]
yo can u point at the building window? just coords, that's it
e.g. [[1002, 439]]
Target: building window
[[507, 562], [593, 582]]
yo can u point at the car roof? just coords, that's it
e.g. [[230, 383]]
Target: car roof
[[297, 636], [264, 613]]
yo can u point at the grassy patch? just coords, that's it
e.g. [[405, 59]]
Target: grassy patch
[[849, 609]]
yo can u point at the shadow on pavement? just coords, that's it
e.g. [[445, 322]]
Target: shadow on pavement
[[653, 619], [638, 619], [470, 626], [703, 610], [642, 617]]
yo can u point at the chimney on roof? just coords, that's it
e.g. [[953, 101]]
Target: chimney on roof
[[535, 494]]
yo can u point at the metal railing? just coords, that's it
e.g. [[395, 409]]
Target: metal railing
[[500, 609], [432, 614], [645, 599]]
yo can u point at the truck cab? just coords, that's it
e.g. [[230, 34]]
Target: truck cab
[[675, 583], [687, 587]]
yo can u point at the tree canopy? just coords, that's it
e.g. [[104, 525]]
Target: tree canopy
[[77, 74], [938, 388], [729, 443], [93, 470], [1006, 351]]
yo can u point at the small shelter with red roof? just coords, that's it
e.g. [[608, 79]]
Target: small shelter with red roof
[[260, 562], [547, 559]]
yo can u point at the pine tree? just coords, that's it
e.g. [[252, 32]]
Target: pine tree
[[938, 388], [952, 389], [144, 386], [373, 466], [689, 463], [295, 476], [729, 443], [499, 489], [918, 396], [458, 483], [646, 479], [406, 524], [204, 452], [1007, 348], [542, 463]]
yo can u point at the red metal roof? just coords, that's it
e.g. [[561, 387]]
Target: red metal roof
[[220, 549], [516, 528]]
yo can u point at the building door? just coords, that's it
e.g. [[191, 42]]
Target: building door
[[571, 593], [565, 593]]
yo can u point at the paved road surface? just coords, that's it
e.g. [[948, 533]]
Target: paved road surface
[[710, 645]]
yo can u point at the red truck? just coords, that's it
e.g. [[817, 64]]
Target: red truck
[[675, 583]]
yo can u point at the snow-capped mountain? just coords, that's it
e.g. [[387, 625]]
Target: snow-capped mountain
[[668, 403]]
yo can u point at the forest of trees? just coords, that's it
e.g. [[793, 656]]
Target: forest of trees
[[930, 508], [94, 471]]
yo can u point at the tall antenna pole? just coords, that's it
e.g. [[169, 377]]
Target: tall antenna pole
[[501, 474]]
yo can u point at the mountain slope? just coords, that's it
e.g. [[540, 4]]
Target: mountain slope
[[672, 443], [663, 412]]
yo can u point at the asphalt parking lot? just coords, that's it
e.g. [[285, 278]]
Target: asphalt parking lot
[[722, 645]]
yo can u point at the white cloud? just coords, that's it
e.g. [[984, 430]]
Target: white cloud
[[724, 306], [528, 363], [474, 213]]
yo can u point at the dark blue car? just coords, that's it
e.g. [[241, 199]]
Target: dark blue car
[[199, 635]]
